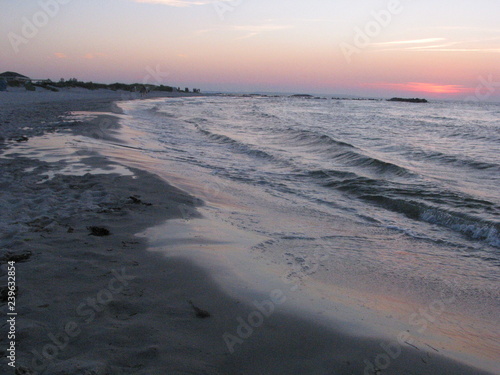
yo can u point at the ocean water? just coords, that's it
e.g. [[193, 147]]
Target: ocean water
[[399, 200]]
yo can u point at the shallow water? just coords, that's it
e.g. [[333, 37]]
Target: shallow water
[[395, 203]]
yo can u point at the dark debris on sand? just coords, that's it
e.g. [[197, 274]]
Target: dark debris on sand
[[4, 293], [136, 200], [98, 231], [18, 258], [202, 314], [22, 139]]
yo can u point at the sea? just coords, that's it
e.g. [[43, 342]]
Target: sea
[[393, 205]]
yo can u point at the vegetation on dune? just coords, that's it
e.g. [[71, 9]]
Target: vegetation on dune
[[73, 82]]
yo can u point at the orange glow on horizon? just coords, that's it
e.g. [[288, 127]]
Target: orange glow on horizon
[[430, 88]]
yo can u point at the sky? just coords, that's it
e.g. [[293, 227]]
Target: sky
[[447, 49]]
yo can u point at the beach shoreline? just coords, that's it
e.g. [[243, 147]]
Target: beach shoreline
[[103, 303]]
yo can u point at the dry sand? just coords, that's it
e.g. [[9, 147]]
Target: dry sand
[[92, 304]]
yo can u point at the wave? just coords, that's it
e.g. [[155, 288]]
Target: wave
[[468, 225], [483, 135], [329, 174], [311, 138], [453, 160], [262, 115], [345, 153], [355, 159], [240, 146], [159, 111], [419, 203]]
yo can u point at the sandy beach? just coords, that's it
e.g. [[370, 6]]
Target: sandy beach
[[92, 299]]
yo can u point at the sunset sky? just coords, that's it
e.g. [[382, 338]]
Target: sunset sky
[[437, 49]]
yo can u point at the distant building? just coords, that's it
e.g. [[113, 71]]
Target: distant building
[[13, 76]]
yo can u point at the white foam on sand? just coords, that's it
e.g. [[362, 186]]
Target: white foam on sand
[[81, 116], [64, 156]]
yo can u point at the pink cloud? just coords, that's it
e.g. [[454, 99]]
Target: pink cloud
[[90, 55]]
